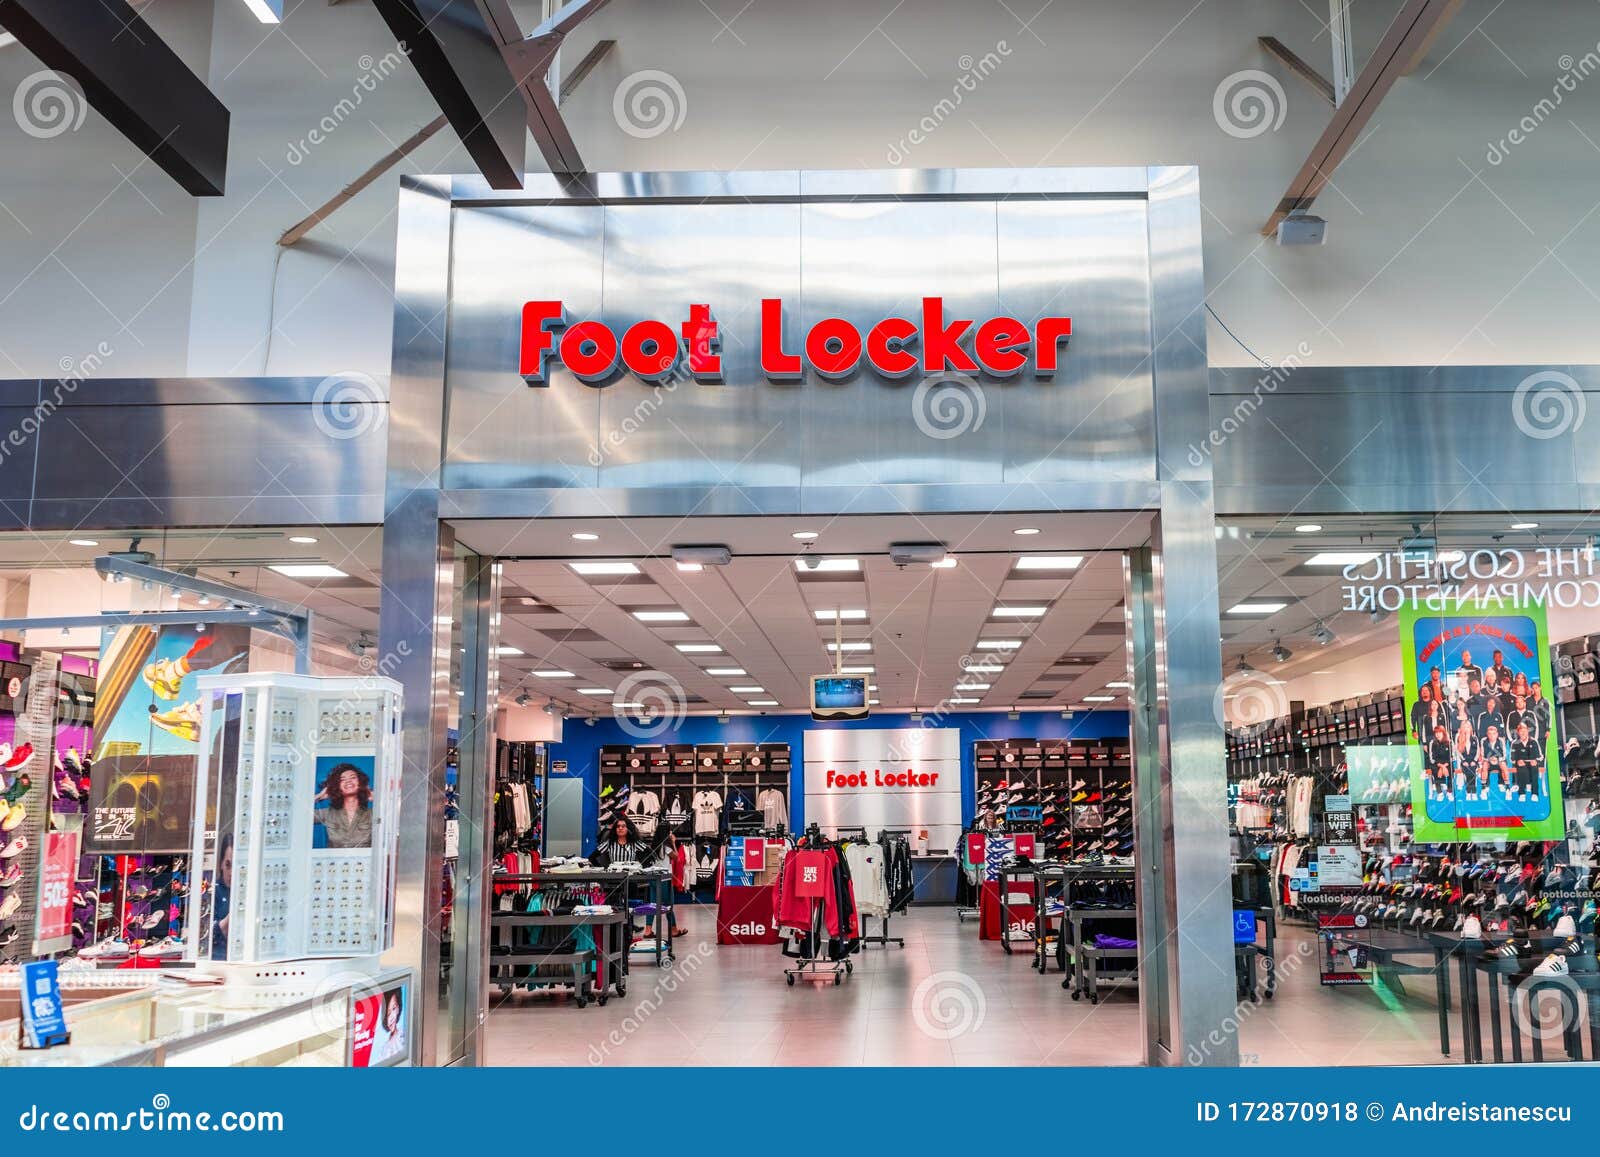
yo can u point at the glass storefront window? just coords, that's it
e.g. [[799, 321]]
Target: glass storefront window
[[1412, 737]]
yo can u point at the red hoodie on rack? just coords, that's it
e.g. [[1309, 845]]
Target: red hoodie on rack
[[809, 874]]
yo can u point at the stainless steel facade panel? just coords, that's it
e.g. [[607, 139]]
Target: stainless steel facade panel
[[744, 433], [1435, 450], [750, 445], [1087, 260], [501, 432], [109, 466]]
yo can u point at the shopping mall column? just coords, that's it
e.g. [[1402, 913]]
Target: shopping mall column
[[415, 610], [1184, 876]]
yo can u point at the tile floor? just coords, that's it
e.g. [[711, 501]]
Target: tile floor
[[947, 998]]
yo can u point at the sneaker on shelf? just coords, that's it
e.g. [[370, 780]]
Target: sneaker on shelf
[[1553, 965], [1472, 928], [9, 906], [107, 950], [1566, 925], [14, 815], [18, 758], [10, 876], [165, 949], [14, 849]]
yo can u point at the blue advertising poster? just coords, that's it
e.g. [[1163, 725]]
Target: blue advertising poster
[[43, 1022]]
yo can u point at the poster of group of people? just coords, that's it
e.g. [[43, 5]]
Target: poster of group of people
[[1480, 723]]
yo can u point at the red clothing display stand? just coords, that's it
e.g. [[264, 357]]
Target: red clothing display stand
[[747, 915], [989, 909]]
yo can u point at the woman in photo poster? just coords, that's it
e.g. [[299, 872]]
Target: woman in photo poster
[[344, 807], [389, 1037]]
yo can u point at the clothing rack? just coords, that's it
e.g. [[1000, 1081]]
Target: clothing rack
[[883, 937], [816, 964]]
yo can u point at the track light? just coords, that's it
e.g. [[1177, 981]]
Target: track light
[[589, 719], [549, 708], [1322, 636], [1281, 653], [916, 717], [722, 717], [523, 700]]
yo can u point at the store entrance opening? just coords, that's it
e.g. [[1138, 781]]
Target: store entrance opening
[[696, 826]]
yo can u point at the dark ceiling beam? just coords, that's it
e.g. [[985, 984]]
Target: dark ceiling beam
[[457, 53], [1292, 60], [130, 77], [530, 57], [1409, 34], [1427, 44], [574, 78]]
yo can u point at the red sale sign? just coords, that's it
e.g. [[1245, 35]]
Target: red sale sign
[[363, 1025], [58, 869]]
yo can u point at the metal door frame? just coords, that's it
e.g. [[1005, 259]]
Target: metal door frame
[[1176, 671]]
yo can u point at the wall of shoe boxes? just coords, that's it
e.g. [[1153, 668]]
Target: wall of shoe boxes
[[1074, 794]]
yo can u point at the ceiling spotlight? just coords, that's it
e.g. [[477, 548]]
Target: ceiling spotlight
[[1322, 636], [589, 719], [722, 717], [915, 717], [1378, 615], [1066, 713], [550, 708], [523, 700], [1013, 714], [1280, 652]]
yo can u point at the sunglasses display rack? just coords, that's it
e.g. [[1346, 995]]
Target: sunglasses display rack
[[303, 776]]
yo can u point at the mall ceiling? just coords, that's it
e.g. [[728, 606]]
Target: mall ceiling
[[1025, 620]]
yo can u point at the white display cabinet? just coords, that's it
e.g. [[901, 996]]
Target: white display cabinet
[[297, 797]]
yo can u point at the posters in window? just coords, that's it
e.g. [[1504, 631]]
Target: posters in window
[[1485, 759]]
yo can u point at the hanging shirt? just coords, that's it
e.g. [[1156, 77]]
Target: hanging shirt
[[644, 809], [707, 808], [676, 814], [774, 808]]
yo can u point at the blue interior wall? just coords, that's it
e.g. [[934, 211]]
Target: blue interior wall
[[581, 744]]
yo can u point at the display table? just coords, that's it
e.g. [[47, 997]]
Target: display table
[[165, 1024]]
